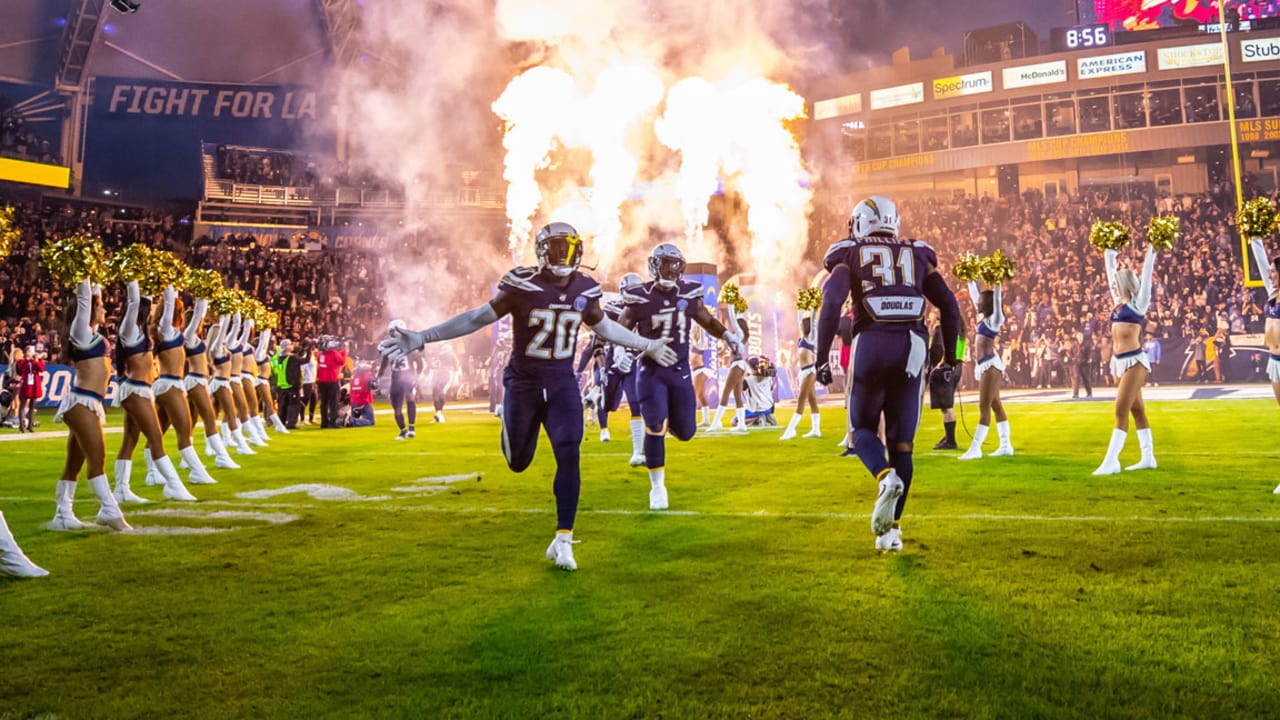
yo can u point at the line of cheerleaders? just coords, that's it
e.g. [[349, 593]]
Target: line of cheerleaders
[[169, 375]]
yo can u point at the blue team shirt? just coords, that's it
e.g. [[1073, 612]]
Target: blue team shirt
[[888, 280], [665, 313], [545, 320]]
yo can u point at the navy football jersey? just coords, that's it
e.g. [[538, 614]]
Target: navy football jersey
[[545, 320], [888, 280], [665, 313]]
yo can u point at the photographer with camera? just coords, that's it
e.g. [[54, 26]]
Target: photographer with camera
[[944, 381], [329, 363]]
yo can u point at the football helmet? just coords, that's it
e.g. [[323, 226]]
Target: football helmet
[[630, 280], [559, 249], [874, 216], [666, 265]]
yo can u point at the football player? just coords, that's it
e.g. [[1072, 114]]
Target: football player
[[890, 278], [547, 304], [404, 384], [663, 310], [615, 377]]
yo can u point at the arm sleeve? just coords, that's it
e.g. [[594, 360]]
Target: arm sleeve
[[937, 292], [1143, 301], [192, 332], [245, 331], [461, 324], [1109, 259], [264, 341], [167, 331], [216, 335], [1263, 262], [81, 333], [382, 367], [996, 321], [974, 296], [612, 332], [129, 332], [587, 354], [834, 292], [232, 333]]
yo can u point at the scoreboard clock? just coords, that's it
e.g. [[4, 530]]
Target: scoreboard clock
[[1080, 37]]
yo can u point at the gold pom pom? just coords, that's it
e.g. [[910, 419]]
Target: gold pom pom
[[729, 296], [809, 299], [129, 263], [997, 268], [9, 232], [75, 258], [1257, 218], [228, 302], [1162, 231], [1108, 235], [204, 284], [967, 267], [163, 269]]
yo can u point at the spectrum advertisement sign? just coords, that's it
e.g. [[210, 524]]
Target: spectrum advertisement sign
[[961, 85]]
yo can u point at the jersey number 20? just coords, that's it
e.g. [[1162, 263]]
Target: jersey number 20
[[883, 267], [565, 326]]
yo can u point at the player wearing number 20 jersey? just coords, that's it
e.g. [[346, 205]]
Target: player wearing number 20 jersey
[[547, 305], [666, 309]]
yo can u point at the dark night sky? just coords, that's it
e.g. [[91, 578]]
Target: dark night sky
[[875, 28]]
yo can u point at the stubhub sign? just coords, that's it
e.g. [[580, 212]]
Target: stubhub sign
[[1260, 50]]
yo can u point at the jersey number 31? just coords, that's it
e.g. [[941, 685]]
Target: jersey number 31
[[880, 258], [565, 326]]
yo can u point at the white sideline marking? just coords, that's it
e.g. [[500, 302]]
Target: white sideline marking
[[433, 485], [268, 518], [317, 491]]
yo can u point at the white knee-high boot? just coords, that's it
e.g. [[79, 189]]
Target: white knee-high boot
[[124, 493], [975, 447], [64, 517], [109, 513], [790, 432], [12, 560], [1111, 463], [222, 458], [815, 426], [173, 487], [199, 475], [1148, 461], [1006, 447]]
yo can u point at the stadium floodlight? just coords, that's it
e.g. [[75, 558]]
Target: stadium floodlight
[[126, 6]]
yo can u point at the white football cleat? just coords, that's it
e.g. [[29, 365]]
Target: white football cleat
[[886, 503], [439, 417], [604, 435], [1002, 451], [637, 460], [1148, 462], [1108, 468], [561, 551], [658, 498], [890, 541], [403, 435]]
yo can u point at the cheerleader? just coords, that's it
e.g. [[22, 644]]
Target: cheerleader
[[220, 387], [12, 560], [196, 383], [733, 384], [702, 362], [1269, 270], [262, 385], [81, 409], [135, 363], [988, 371], [808, 393], [170, 388], [1129, 364], [245, 390]]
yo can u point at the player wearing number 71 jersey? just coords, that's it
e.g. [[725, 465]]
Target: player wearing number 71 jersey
[[547, 305], [664, 310]]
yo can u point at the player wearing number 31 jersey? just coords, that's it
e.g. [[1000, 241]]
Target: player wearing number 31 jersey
[[547, 305], [889, 278], [664, 310]]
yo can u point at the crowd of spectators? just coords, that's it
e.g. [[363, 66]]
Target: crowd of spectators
[[259, 166], [20, 140]]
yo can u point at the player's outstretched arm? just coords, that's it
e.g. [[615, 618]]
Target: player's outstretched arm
[[937, 292], [610, 331], [731, 338], [403, 342], [834, 292]]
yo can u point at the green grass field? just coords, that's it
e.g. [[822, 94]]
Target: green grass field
[[1027, 588]]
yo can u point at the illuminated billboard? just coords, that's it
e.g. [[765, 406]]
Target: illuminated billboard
[[1153, 14]]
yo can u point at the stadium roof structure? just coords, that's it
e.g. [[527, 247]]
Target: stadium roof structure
[[239, 41]]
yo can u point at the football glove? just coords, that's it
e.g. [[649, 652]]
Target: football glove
[[822, 373], [401, 343], [733, 339], [624, 362], [660, 353]]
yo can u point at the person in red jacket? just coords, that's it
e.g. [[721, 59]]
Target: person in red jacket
[[329, 363], [361, 396], [30, 389]]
